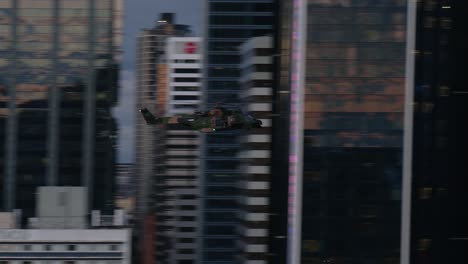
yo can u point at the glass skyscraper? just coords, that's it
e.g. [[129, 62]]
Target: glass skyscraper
[[58, 83], [353, 131], [229, 24], [439, 194], [341, 106]]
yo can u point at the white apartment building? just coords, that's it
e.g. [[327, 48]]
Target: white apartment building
[[182, 147], [182, 182], [183, 57], [151, 90], [65, 246]]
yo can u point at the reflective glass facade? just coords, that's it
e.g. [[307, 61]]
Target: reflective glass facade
[[353, 131], [353, 108], [439, 219], [58, 82], [230, 23]]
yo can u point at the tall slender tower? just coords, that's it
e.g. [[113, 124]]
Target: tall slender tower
[[437, 228], [59, 71], [152, 93], [177, 187], [255, 204], [230, 23]]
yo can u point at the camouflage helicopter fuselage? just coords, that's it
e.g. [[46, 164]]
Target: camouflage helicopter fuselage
[[216, 119]]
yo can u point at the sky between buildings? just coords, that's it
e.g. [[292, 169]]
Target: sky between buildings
[[141, 14]]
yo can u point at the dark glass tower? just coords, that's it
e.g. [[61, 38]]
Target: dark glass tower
[[346, 107], [278, 228], [439, 229], [58, 82], [230, 23]]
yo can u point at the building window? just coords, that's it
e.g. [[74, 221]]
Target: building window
[[47, 247], [185, 251], [114, 247], [423, 244], [27, 247], [186, 79], [186, 97], [71, 247], [311, 246], [187, 207], [444, 91], [425, 193], [69, 262], [186, 240], [186, 88], [185, 261], [368, 211], [187, 218], [186, 229], [186, 71], [188, 197]]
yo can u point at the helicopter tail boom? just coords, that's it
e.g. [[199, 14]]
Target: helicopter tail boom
[[149, 117]]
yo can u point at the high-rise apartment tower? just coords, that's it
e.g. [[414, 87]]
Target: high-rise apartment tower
[[152, 93]]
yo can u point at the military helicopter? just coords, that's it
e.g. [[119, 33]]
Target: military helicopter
[[216, 119]]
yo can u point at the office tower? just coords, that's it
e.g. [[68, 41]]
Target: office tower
[[342, 84], [257, 91], [177, 183], [151, 73], [58, 83], [438, 219], [229, 24], [152, 93]]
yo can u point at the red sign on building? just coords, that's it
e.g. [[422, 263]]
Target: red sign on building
[[190, 47]]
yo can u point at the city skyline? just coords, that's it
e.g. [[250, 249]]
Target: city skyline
[[354, 153], [140, 14]]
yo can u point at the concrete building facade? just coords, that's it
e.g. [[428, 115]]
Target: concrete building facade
[[151, 83], [70, 246], [181, 150], [257, 95]]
